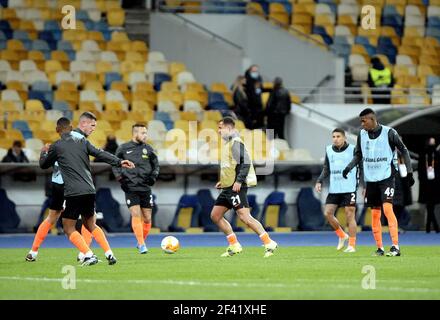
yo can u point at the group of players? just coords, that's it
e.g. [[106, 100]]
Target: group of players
[[374, 160], [136, 167]]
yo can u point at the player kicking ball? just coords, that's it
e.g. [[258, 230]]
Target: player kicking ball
[[342, 192], [237, 174]]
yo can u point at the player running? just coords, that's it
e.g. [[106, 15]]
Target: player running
[[376, 145], [137, 183], [342, 193], [86, 126], [236, 175], [72, 153]]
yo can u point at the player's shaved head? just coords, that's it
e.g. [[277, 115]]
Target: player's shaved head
[[136, 126], [368, 119], [139, 133], [339, 130], [228, 121], [367, 111], [87, 123], [63, 125]]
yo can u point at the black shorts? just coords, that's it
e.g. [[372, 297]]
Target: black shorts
[[83, 205], [379, 192], [57, 198], [342, 199], [139, 198], [231, 199]]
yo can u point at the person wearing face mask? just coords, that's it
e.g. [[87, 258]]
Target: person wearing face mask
[[429, 178], [253, 91]]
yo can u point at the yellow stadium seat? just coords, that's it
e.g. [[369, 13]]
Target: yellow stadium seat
[[7, 106], [53, 66], [212, 115], [143, 116], [280, 18], [169, 86], [34, 105], [188, 115], [182, 125], [14, 134], [140, 106], [192, 6], [116, 17], [209, 124], [176, 67], [29, 27], [255, 9], [119, 36], [111, 5], [104, 67], [219, 87], [143, 86]]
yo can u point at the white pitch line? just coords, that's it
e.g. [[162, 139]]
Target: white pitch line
[[223, 284]]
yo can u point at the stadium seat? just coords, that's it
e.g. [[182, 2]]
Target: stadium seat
[[187, 214], [9, 219], [207, 203], [112, 218], [310, 213], [274, 211]]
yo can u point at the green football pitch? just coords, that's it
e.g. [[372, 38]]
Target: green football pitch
[[200, 273]]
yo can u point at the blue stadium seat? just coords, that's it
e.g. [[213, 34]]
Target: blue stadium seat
[[235, 7], [112, 218], [310, 213], [389, 10], [20, 125], [41, 86], [434, 22], [341, 49], [433, 32], [370, 49], [276, 217], [61, 106], [24, 128], [361, 40], [162, 116], [389, 51], [160, 77], [2, 36], [46, 97], [9, 219], [207, 203], [51, 25], [2, 44], [432, 80], [50, 38], [5, 27], [186, 218], [111, 77]]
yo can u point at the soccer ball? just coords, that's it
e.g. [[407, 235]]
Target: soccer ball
[[170, 244]]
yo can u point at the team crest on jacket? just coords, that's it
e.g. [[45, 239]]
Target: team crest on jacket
[[144, 151]]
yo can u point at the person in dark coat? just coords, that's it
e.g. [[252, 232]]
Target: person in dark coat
[[429, 179], [254, 90], [16, 153], [278, 107]]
